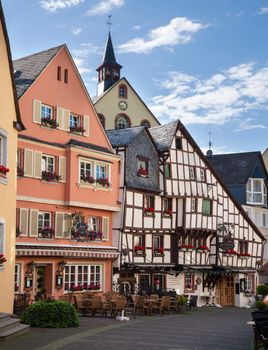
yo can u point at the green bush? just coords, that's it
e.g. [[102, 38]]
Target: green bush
[[260, 305], [262, 289], [51, 314], [182, 300]]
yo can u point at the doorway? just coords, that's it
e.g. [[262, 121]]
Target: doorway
[[225, 289]]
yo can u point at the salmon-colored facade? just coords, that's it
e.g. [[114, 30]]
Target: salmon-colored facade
[[68, 188]]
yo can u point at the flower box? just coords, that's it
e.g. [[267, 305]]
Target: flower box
[[149, 212], [186, 247], [87, 178], [142, 172], [46, 232], [49, 176], [244, 255], [2, 259], [158, 251], [167, 213], [77, 130], [103, 182], [202, 249], [139, 250], [231, 252], [50, 123], [3, 170]]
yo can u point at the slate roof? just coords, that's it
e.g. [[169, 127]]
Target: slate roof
[[123, 137], [27, 69], [89, 145], [234, 168], [163, 135]]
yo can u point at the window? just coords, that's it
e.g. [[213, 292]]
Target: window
[[74, 121], [122, 91], [2, 243], [94, 224], [143, 166], [139, 241], [202, 175], [102, 120], [178, 142], [144, 282], [145, 123], [115, 74], [46, 112], [249, 283], [47, 163], [17, 277], [66, 76], [189, 282], [85, 171], [44, 220], [158, 245], [101, 171], [193, 204], [264, 220], [167, 207], [149, 202], [59, 73], [192, 172], [122, 122], [168, 170], [207, 207], [3, 148], [242, 247], [82, 275], [256, 192]]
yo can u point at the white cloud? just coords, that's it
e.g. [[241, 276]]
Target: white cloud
[[105, 6], [137, 27], [54, 5], [81, 65], [76, 31], [246, 125], [263, 11], [223, 97], [178, 31]]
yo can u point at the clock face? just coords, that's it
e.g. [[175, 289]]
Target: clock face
[[122, 105]]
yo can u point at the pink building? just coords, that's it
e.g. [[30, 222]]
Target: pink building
[[67, 183]]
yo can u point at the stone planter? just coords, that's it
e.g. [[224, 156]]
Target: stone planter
[[181, 309]]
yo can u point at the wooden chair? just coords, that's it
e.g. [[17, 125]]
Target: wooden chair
[[79, 304], [96, 305], [139, 305], [106, 304], [64, 297], [118, 306], [162, 306]]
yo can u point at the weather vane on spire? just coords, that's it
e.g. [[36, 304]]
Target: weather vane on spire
[[109, 22]]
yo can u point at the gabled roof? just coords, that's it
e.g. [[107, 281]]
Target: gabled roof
[[109, 56], [27, 69], [235, 168], [96, 99], [123, 137], [18, 124], [163, 135]]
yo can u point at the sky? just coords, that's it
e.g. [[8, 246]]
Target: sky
[[204, 62]]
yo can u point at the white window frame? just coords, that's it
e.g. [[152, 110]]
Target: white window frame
[[83, 171], [91, 276], [194, 204], [252, 195], [98, 172], [41, 218], [45, 165], [249, 283], [75, 120], [2, 236], [17, 277], [202, 175], [94, 223], [46, 111], [3, 147]]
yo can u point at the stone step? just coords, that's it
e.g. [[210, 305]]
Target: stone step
[[3, 316], [8, 323], [14, 332]]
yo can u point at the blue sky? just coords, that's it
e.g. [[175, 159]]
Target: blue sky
[[205, 62]]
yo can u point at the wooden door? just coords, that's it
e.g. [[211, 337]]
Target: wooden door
[[225, 290]]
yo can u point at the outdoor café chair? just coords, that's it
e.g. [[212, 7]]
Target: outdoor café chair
[[118, 305], [162, 306], [96, 306]]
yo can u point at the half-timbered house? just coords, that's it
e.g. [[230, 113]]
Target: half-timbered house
[[180, 227]]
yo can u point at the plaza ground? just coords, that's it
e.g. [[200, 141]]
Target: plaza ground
[[205, 328]]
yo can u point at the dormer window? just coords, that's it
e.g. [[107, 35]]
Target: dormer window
[[122, 91], [256, 192]]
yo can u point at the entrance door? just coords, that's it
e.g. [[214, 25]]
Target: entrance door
[[226, 291]]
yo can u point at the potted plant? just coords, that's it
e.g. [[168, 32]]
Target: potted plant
[[142, 172], [167, 213], [149, 211], [139, 250], [182, 304], [159, 251], [202, 249]]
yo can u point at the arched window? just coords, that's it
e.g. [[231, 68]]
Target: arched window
[[115, 74], [146, 123], [102, 120], [122, 121], [122, 91]]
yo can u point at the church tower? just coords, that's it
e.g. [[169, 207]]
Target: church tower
[[109, 70]]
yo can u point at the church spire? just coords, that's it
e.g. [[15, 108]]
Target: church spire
[[109, 70]]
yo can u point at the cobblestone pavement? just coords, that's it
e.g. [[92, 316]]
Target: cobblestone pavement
[[205, 328]]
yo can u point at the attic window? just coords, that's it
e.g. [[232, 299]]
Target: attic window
[[178, 143], [66, 76], [59, 73], [122, 91]]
